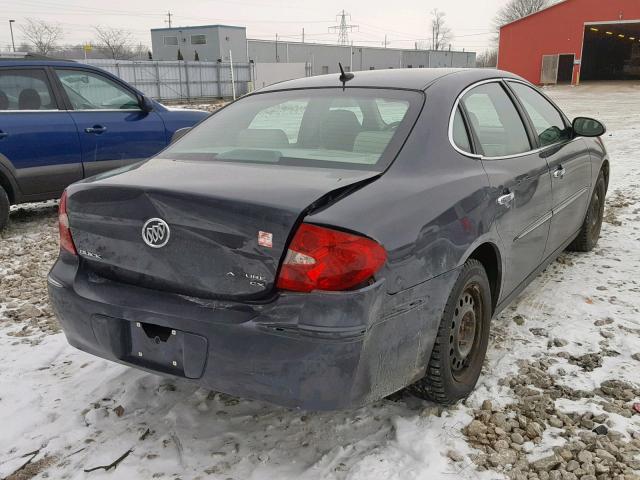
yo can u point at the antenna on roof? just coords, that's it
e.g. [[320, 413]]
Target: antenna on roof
[[344, 76]]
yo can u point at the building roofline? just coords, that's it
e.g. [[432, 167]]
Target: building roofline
[[172, 29], [561, 2], [357, 46]]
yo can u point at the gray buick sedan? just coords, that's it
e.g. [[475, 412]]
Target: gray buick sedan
[[325, 242]]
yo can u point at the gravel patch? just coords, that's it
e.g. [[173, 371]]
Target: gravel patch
[[28, 248]]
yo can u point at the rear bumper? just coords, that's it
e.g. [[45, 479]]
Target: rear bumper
[[318, 351]]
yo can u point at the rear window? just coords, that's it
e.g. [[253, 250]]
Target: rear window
[[355, 128]]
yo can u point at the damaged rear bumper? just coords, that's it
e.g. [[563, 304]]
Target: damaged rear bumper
[[317, 351]]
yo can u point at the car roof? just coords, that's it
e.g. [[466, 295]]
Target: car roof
[[397, 78], [35, 61]]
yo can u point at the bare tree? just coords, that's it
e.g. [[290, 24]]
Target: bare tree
[[487, 59], [440, 32], [115, 43], [516, 9], [42, 36]]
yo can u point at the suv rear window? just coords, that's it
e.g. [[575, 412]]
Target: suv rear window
[[355, 128]]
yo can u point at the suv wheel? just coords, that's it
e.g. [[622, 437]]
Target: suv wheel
[[4, 209], [461, 343]]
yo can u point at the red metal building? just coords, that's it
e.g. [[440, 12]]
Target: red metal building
[[574, 40]]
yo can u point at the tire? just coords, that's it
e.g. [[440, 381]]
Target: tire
[[4, 209], [589, 233], [456, 363]]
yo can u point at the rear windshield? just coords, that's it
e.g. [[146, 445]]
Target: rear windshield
[[355, 128]]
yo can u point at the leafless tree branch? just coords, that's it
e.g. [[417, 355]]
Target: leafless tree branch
[[487, 59], [115, 43], [516, 9], [112, 465], [441, 34], [42, 36]]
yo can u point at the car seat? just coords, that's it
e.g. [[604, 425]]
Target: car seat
[[339, 130], [29, 99]]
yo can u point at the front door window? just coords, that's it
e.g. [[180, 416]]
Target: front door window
[[92, 91]]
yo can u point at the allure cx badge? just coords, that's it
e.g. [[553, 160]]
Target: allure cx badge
[[155, 232]]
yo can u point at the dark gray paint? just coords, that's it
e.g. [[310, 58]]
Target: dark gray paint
[[216, 223], [431, 209]]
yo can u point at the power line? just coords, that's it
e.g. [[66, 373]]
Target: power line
[[343, 28]]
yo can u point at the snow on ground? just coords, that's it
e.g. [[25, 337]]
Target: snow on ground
[[211, 106], [564, 359]]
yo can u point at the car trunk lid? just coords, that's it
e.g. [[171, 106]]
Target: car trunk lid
[[229, 224]]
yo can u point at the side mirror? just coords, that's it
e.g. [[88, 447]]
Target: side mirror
[[588, 127], [146, 104], [178, 134]]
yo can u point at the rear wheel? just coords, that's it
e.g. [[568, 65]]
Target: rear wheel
[[4, 209], [590, 231], [461, 344]]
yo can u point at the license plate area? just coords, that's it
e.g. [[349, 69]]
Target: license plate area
[[152, 346], [157, 347]]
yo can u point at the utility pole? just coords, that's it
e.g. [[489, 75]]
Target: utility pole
[[351, 57], [168, 21], [385, 40], [343, 28], [277, 57], [433, 37], [13, 43], [302, 34]]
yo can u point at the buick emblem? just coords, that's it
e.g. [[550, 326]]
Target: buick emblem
[[155, 232]]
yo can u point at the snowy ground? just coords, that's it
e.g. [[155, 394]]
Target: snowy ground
[[564, 359]]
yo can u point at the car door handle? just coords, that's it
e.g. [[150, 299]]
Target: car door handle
[[559, 173], [506, 199], [96, 129], [3, 134]]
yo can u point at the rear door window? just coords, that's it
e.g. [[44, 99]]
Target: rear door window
[[460, 134], [25, 89], [547, 121], [495, 120]]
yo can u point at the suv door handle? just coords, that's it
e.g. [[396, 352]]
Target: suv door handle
[[559, 172], [3, 134], [506, 199], [96, 129]]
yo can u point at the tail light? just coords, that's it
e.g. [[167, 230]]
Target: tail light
[[321, 258], [66, 241]]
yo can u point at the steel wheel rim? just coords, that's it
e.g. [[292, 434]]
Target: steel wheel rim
[[466, 330]]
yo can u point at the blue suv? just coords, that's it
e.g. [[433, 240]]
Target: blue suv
[[62, 121]]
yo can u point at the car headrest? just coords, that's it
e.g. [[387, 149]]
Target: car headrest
[[262, 138], [4, 101], [372, 142], [339, 130], [29, 99]]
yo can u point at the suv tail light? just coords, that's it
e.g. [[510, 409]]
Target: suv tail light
[[66, 241], [321, 258]]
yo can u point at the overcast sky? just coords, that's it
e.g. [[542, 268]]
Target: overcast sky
[[404, 21]]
